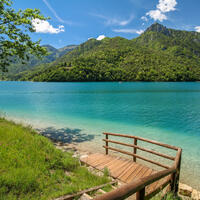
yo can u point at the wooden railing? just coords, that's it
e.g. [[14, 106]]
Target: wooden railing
[[138, 186]]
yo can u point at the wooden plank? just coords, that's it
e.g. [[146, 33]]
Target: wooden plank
[[124, 171], [134, 168], [112, 162], [141, 172], [134, 174], [147, 173], [156, 184], [161, 186], [123, 174], [85, 159], [102, 161], [114, 166], [107, 163], [121, 168], [153, 186], [159, 183], [96, 160], [149, 187], [90, 158]]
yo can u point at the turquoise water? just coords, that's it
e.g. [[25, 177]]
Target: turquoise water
[[167, 112]]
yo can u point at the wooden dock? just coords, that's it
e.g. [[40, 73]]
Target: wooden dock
[[137, 178], [124, 170]]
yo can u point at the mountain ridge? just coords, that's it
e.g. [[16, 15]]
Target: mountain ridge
[[158, 54]]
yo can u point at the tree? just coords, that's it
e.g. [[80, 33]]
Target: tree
[[15, 43]]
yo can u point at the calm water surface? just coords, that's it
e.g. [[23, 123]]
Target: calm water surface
[[167, 112]]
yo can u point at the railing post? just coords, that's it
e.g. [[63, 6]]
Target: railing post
[[175, 178], [140, 195], [135, 149], [172, 184], [106, 144]]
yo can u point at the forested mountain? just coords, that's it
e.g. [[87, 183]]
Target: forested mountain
[[159, 54], [34, 62]]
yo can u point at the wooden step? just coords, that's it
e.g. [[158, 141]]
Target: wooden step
[[85, 197], [101, 191], [113, 187]]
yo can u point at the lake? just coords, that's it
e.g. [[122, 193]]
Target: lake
[[80, 112]]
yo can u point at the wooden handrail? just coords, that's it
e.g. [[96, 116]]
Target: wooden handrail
[[144, 140], [135, 186], [142, 149], [140, 184], [137, 156]]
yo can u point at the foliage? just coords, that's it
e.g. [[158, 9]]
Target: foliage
[[33, 62], [159, 54], [169, 196], [15, 43], [32, 168]]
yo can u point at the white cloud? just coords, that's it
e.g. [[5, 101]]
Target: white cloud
[[128, 31], [166, 5], [163, 7], [125, 22], [156, 15], [42, 26], [101, 37], [114, 20], [197, 28], [144, 18], [140, 31]]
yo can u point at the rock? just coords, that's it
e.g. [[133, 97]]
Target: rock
[[185, 190], [83, 156], [67, 173], [85, 197], [195, 195]]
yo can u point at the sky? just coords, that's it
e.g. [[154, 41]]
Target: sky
[[76, 21]]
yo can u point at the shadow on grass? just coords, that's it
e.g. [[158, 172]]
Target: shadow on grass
[[65, 135]]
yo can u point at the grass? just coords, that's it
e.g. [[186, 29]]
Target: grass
[[169, 196], [32, 168]]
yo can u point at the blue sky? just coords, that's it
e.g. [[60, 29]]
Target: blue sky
[[74, 21]]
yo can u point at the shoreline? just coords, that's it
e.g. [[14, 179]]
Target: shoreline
[[85, 143]]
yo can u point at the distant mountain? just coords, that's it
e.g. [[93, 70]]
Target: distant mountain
[[176, 42], [66, 49], [159, 54], [34, 62]]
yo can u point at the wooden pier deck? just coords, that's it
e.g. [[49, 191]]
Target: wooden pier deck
[[125, 170], [137, 178]]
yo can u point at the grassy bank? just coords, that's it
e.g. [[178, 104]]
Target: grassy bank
[[32, 168]]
